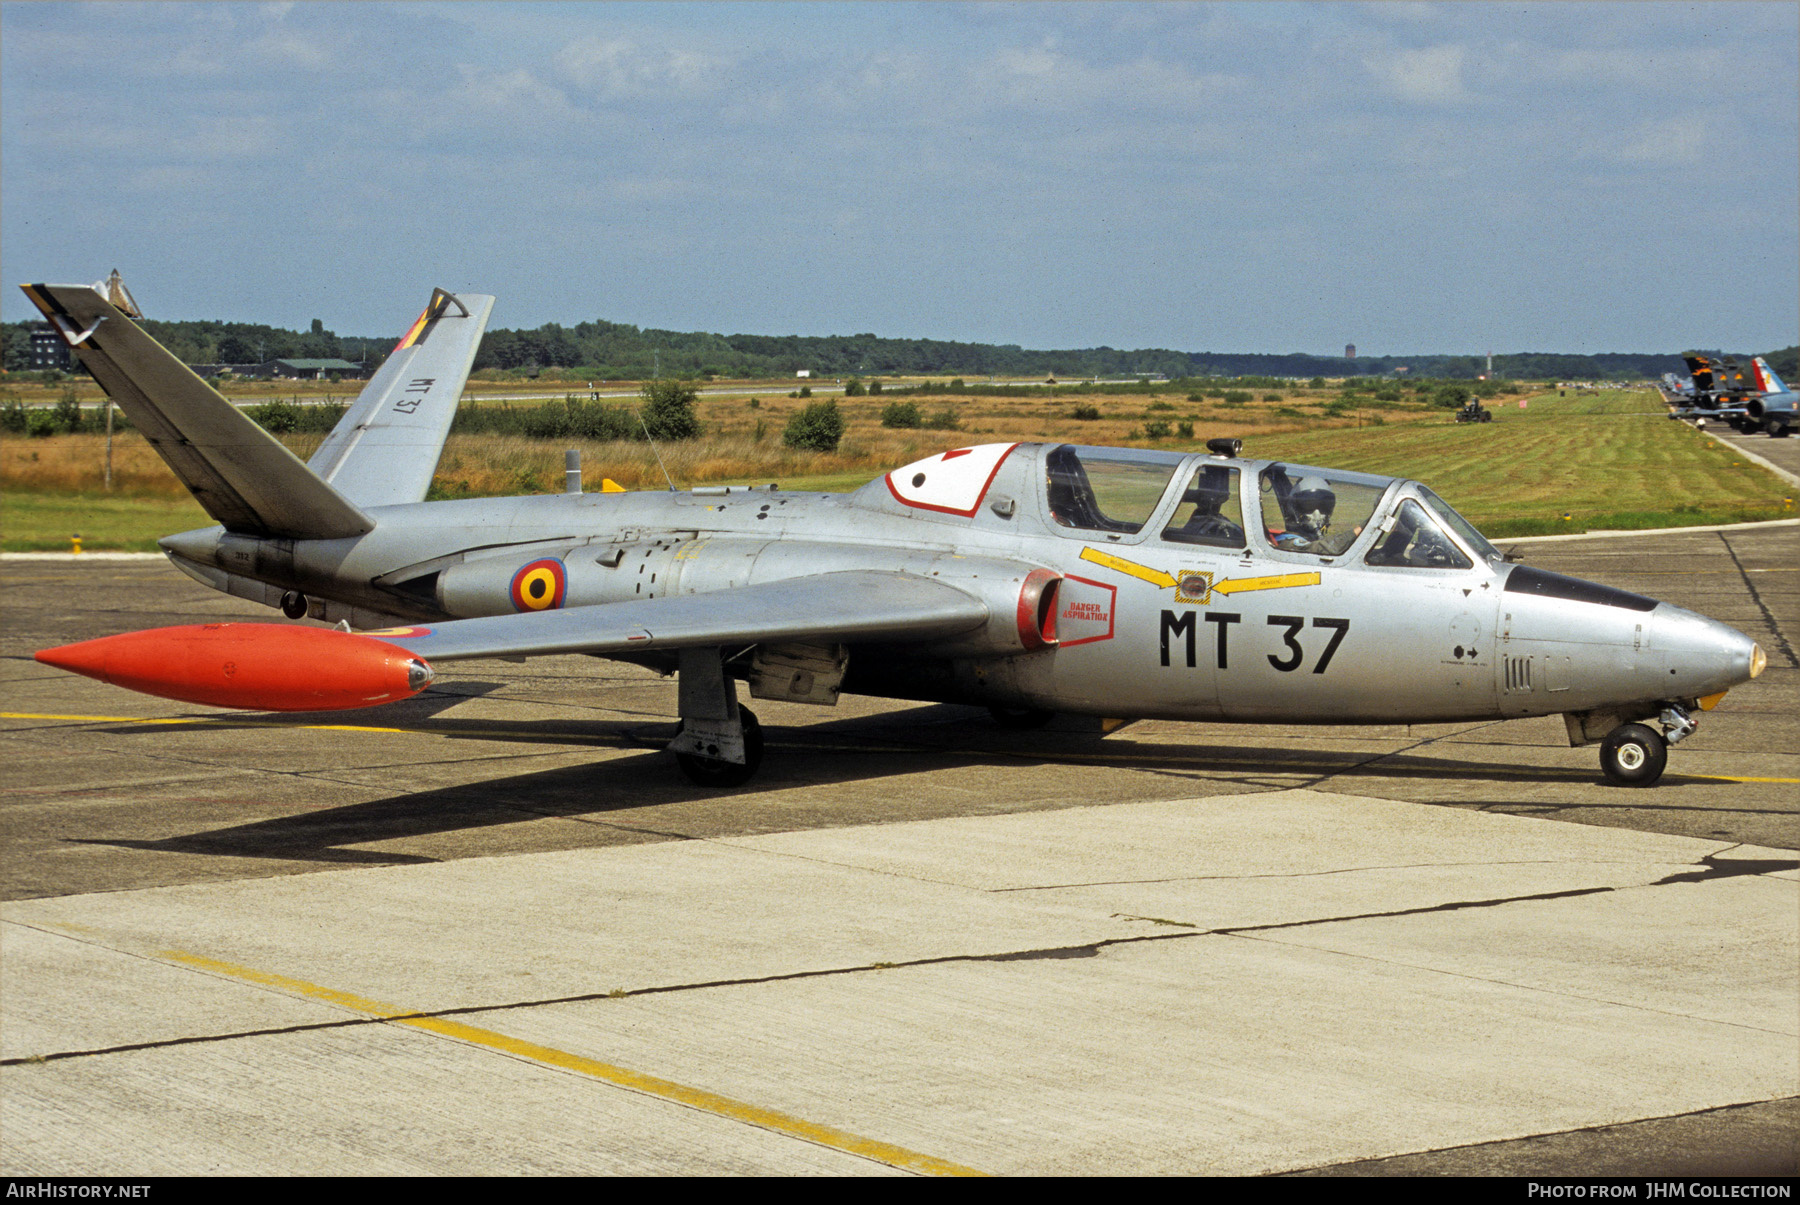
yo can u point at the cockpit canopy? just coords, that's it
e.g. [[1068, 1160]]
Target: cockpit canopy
[[1118, 493]]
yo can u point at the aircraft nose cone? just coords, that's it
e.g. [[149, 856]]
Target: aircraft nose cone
[[1706, 656]]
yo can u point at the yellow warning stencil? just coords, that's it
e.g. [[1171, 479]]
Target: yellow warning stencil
[[1280, 581], [1195, 586], [1156, 577]]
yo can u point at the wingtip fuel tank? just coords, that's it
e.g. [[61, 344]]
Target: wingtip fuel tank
[[251, 666]]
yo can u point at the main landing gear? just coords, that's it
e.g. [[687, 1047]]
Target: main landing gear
[[719, 743], [710, 771], [1633, 755], [1021, 718]]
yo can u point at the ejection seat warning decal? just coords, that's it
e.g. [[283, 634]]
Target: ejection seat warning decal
[[1193, 585], [1084, 611], [953, 482]]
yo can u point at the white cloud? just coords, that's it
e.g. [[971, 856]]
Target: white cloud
[[1433, 76], [1678, 140], [511, 93], [1045, 77], [620, 69]]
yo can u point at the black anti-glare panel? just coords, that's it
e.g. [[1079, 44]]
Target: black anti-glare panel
[[1526, 580]]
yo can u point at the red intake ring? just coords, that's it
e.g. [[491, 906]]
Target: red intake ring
[[1037, 609]]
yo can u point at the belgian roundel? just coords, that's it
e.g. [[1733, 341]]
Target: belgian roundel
[[540, 586]]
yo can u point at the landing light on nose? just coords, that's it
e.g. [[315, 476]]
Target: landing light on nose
[[1758, 660]]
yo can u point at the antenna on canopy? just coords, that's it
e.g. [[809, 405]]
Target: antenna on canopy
[[655, 453]]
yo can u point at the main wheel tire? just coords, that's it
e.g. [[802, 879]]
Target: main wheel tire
[[1633, 755], [711, 772], [1021, 718], [1776, 428]]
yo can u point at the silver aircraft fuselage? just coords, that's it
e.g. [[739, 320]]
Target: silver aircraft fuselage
[[1033, 578], [1140, 623]]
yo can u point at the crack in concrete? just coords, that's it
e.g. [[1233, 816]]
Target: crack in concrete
[[1425, 909], [1088, 950], [1715, 867], [1781, 640], [1307, 874], [191, 1040]]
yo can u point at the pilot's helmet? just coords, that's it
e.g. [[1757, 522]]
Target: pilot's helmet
[[1312, 507]]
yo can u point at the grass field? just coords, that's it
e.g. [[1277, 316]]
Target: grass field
[[1609, 460]]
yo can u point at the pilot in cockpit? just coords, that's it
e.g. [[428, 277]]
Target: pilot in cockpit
[[1312, 511], [1309, 518]]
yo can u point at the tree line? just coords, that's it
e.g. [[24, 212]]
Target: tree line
[[609, 350]]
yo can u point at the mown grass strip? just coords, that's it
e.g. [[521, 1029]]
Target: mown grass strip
[[1609, 460]]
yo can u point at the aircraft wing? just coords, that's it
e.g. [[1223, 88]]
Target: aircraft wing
[[849, 607], [386, 447]]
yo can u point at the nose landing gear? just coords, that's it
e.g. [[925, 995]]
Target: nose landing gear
[[1633, 755]]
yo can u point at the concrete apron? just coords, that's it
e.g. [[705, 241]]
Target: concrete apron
[[1239, 984]]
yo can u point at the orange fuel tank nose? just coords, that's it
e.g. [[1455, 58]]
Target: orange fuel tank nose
[[252, 666]]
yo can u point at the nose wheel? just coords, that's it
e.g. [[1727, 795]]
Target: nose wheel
[[1633, 755]]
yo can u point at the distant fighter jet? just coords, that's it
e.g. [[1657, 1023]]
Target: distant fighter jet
[[1771, 405], [1703, 395], [1750, 399], [1029, 578]]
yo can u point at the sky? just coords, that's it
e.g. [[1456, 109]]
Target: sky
[[1412, 178]]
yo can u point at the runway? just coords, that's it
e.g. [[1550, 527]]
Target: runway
[[493, 931]]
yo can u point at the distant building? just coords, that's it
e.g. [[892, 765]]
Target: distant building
[[308, 370], [48, 351], [803, 373], [1349, 351]]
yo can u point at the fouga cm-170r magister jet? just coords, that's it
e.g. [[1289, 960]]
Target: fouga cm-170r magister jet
[[1030, 578]]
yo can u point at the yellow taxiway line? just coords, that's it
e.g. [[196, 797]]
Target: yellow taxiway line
[[693, 1098], [211, 719]]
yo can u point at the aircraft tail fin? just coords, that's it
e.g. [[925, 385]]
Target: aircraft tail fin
[[386, 447], [243, 476], [1766, 380], [1700, 368]]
